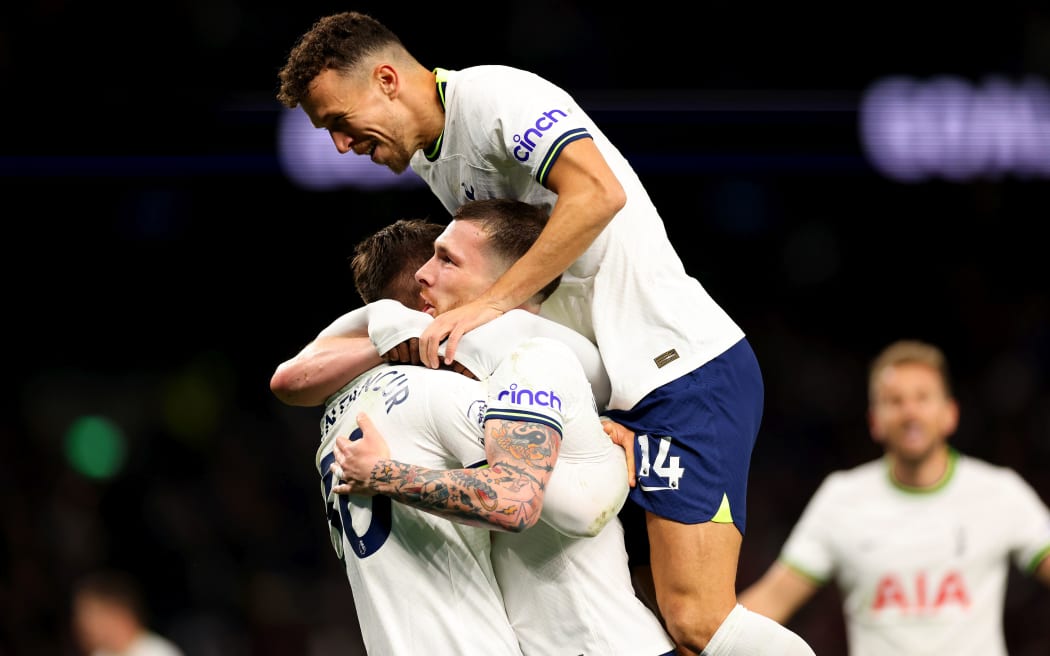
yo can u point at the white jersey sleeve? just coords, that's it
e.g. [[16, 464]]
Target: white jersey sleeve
[[1030, 540], [390, 323], [541, 381], [809, 547], [354, 322], [386, 322]]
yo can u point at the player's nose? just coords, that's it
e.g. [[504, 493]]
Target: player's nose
[[424, 273], [342, 141]]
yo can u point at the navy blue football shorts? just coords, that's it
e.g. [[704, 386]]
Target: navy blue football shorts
[[693, 440]]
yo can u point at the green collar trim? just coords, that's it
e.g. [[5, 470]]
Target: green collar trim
[[441, 78], [953, 459]]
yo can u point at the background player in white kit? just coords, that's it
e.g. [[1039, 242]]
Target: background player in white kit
[[919, 541], [561, 593], [110, 617], [495, 131]]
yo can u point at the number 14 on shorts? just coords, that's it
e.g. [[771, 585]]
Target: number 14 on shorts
[[663, 466]]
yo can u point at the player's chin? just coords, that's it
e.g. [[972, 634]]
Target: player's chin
[[397, 165]]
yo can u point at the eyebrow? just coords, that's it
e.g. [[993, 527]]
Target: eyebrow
[[441, 250], [325, 120]]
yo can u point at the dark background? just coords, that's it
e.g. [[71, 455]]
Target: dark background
[[158, 266]]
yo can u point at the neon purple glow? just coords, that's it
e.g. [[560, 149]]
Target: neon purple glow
[[310, 160], [948, 128]]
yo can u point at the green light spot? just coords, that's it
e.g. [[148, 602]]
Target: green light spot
[[95, 447]]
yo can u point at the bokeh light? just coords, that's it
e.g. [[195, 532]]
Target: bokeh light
[[95, 447]]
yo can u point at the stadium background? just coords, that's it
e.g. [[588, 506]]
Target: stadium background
[[159, 264]]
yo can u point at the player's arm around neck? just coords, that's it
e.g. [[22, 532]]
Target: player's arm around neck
[[507, 495], [589, 196], [321, 368], [339, 353]]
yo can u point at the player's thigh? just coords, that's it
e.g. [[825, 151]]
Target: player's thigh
[[694, 561]]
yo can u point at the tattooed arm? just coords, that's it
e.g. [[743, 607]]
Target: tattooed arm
[[507, 495]]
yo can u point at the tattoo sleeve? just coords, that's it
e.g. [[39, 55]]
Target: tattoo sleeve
[[507, 495]]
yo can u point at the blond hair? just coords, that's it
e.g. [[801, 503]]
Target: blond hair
[[909, 351]]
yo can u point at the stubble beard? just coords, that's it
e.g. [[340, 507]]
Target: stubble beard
[[400, 157]]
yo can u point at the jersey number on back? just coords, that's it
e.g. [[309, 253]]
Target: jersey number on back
[[371, 515]]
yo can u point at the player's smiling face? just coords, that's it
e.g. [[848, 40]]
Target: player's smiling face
[[911, 413], [460, 269], [360, 117]]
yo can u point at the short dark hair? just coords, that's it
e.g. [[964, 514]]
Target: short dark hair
[[384, 264], [511, 227], [339, 41]]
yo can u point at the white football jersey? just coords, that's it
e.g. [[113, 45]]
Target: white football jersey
[[420, 583], [565, 595], [504, 129], [922, 572]]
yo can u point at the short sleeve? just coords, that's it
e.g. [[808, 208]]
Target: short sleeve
[[354, 322], [455, 411], [535, 382], [390, 323], [808, 548], [1030, 519]]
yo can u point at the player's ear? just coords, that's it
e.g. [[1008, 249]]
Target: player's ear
[[951, 417], [388, 79], [877, 435]]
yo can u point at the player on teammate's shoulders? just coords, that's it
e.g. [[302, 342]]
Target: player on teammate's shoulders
[[495, 131]]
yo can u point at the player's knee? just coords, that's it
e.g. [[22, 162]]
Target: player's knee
[[690, 624]]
